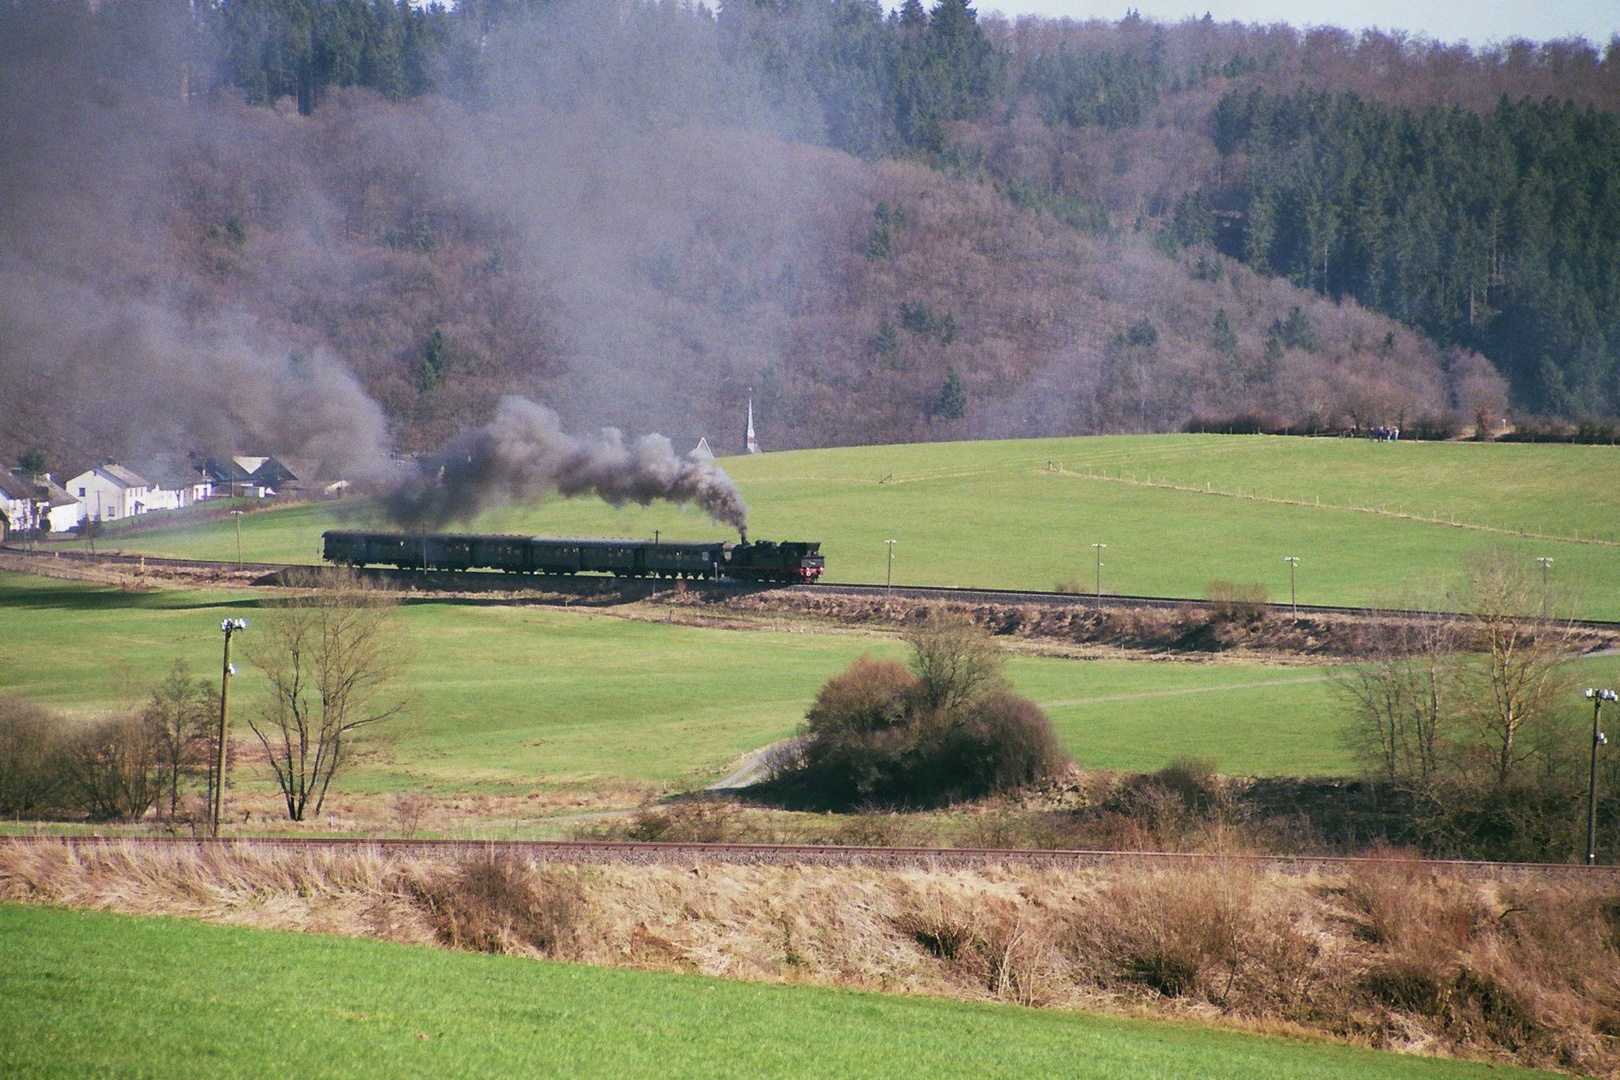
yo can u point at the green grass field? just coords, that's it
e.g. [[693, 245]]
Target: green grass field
[[1371, 523], [90, 994], [510, 699]]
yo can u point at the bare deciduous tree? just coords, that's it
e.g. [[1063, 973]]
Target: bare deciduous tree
[[1523, 679], [30, 740], [955, 662], [331, 655], [1468, 718], [180, 718], [110, 769], [1399, 700]]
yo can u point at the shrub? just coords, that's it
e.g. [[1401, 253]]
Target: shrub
[[688, 821], [1230, 602], [408, 809], [954, 661], [31, 739], [500, 904], [870, 696], [111, 770], [1212, 934], [1000, 742], [878, 735], [997, 946]]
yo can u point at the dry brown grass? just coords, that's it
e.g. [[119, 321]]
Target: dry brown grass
[[1392, 954]]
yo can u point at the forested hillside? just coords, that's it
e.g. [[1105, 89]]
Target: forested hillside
[[332, 228]]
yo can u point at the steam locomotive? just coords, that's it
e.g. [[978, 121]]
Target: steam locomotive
[[762, 560]]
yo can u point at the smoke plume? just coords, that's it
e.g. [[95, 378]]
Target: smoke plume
[[523, 453]]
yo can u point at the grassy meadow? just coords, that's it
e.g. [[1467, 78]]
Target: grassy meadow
[[508, 699], [1372, 523], [91, 994]]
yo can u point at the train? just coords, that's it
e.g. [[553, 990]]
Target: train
[[794, 561]]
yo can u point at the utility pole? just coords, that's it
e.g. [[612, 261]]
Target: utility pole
[[228, 627], [1099, 548], [238, 515], [888, 581], [1597, 697], [1293, 594], [1545, 561]]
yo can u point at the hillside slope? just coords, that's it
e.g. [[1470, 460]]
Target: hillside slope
[[631, 223]]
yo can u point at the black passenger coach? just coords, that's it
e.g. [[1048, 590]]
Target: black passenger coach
[[761, 560]]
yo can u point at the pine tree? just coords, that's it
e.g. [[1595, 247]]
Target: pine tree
[[952, 401]]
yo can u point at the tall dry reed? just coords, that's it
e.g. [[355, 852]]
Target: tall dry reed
[[1390, 954]]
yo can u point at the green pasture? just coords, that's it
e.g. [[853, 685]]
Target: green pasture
[[1372, 523], [507, 699], [90, 994]]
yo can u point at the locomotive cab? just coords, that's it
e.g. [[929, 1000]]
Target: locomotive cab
[[767, 560]]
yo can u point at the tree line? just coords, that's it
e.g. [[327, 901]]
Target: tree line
[[1496, 232], [1066, 150], [879, 83], [330, 654], [1492, 231]]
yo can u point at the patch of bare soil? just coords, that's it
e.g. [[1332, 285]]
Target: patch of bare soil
[[1192, 630]]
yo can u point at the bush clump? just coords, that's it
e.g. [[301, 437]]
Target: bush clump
[[504, 905], [945, 729], [31, 738]]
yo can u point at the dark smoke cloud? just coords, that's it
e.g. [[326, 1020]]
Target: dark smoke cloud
[[182, 273], [523, 454]]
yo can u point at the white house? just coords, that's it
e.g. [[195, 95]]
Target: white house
[[19, 505], [110, 491], [176, 482], [65, 511], [35, 502]]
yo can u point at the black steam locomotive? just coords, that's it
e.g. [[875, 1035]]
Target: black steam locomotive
[[762, 560]]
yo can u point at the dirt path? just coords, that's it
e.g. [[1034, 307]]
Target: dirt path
[[752, 768]]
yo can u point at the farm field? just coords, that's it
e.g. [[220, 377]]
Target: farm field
[[506, 699], [91, 994], [1372, 523]]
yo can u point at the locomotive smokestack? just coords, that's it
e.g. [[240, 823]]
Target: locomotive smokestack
[[523, 453]]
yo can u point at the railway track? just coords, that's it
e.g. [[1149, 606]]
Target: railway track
[[654, 853], [454, 581]]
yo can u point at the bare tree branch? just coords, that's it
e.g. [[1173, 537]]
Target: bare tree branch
[[331, 655]]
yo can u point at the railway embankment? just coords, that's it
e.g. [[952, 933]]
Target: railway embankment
[[1039, 621], [1392, 952]]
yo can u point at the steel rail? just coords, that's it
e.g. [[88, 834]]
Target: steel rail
[[651, 853], [422, 580]]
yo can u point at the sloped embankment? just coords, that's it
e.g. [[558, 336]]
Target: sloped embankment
[[1392, 954]]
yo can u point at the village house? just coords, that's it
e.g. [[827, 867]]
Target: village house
[[30, 503], [110, 491], [19, 506], [176, 481], [64, 512], [245, 476]]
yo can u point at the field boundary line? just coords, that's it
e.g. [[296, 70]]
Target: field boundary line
[[1057, 468], [1183, 690]]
